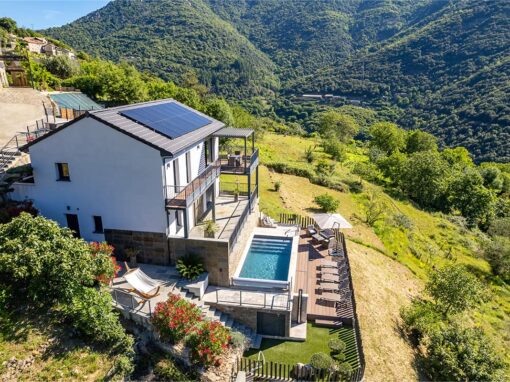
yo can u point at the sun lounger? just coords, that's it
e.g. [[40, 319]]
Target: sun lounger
[[334, 297], [317, 238], [331, 287], [267, 222], [327, 234], [140, 283], [310, 230], [328, 277], [329, 264]]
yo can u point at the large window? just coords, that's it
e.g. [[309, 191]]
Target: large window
[[98, 224], [63, 172]]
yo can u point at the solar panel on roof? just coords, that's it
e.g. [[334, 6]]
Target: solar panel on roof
[[170, 119]]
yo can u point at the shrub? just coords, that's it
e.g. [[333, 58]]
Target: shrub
[[335, 149], [175, 318], [167, 370], [237, 339], [402, 221], [336, 345], [321, 361], [420, 318], [309, 155], [497, 253], [190, 266], [207, 342], [457, 354], [90, 312], [277, 185], [123, 365], [327, 202], [345, 370]]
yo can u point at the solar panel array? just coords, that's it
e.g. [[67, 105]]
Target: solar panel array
[[170, 119]]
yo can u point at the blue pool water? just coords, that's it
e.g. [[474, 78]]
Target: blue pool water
[[268, 258]]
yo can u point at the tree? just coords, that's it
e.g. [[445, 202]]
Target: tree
[[8, 24], [334, 148], [418, 140], [454, 289], [327, 202], [393, 166], [61, 66], [468, 195], [457, 354], [458, 157], [334, 125], [218, 108], [388, 137], [497, 252], [492, 178], [425, 178]]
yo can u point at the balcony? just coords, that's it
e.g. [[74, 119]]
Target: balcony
[[239, 164], [183, 196]]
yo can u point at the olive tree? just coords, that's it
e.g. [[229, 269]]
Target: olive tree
[[335, 125]]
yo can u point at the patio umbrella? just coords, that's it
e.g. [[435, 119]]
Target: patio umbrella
[[331, 221]]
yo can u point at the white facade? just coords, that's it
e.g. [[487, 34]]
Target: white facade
[[112, 175]]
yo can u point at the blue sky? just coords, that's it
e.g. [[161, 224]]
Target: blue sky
[[39, 14]]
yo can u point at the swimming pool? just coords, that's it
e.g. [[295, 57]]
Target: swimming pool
[[268, 258]]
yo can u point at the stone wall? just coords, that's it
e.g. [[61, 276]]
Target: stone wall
[[152, 247], [248, 315], [214, 255]]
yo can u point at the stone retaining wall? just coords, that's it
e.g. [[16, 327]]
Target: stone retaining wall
[[152, 246]]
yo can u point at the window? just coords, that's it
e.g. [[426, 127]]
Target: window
[[178, 218], [188, 167], [98, 224], [63, 172]]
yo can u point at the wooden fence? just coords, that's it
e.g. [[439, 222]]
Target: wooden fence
[[276, 371], [301, 221]]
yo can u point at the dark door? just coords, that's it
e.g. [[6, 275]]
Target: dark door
[[72, 223], [271, 324]]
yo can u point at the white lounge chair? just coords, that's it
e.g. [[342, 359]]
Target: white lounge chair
[[328, 277], [331, 287], [267, 222], [333, 297], [329, 264], [141, 284]]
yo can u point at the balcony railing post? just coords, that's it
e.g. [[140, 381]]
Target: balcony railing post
[[240, 297]]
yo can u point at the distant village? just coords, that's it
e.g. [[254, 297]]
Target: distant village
[[12, 72]]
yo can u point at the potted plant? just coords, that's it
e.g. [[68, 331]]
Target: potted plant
[[132, 254], [210, 229]]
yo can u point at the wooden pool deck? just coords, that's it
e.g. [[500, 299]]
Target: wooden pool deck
[[310, 256]]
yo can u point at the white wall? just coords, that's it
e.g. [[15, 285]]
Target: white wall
[[197, 166], [112, 175]]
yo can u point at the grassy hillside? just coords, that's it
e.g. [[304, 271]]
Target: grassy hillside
[[431, 240], [170, 38]]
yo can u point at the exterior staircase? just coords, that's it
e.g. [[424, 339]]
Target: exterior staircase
[[217, 315]]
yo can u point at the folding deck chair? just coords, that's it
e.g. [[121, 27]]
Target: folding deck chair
[[140, 283]]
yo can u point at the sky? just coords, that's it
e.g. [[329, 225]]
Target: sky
[[40, 14]]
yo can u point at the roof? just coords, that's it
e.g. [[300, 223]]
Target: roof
[[113, 118], [35, 40], [74, 100], [231, 132]]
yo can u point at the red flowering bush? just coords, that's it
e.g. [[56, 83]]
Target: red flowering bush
[[175, 318], [107, 269], [207, 342]]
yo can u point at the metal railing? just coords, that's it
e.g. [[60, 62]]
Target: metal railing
[[183, 196], [232, 240], [230, 188], [238, 164], [259, 299], [130, 302]]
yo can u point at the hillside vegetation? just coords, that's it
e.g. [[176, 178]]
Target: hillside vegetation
[[171, 38], [441, 66]]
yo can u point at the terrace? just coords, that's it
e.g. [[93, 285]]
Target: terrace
[[238, 160]]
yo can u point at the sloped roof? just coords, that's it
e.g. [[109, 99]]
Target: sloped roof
[[74, 100], [112, 117]]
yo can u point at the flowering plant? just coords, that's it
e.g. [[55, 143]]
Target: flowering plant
[[108, 269], [207, 342], [175, 318]]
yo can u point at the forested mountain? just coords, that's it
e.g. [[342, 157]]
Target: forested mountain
[[168, 38], [443, 65]]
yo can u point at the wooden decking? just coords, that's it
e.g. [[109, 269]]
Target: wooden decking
[[310, 256]]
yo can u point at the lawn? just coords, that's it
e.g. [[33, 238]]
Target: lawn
[[290, 352]]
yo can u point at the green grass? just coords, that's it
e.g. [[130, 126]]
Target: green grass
[[433, 241], [290, 352]]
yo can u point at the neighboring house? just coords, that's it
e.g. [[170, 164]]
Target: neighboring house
[[144, 176], [66, 52], [4, 83], [71, 105], [35, 44], [49, 49]]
